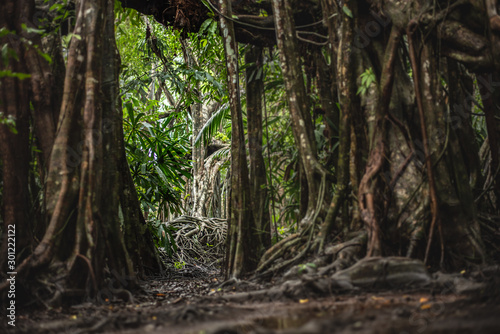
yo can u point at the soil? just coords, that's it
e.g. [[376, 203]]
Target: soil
[[197, 302]]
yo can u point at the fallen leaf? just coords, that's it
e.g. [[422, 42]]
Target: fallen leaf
[[378, 298], [424, 300], [303, 301], [425, 306]]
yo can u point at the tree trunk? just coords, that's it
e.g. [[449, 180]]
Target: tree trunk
[[346, 86], [490, 97], [86, 172], [202, 184], [301, 118], [258, 179], [134, 239], [198, 151], [14, 135], [455, 220], [243, 239], [415, 195]]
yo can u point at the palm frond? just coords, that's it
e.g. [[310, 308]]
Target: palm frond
[[213, 124], [223, 153]]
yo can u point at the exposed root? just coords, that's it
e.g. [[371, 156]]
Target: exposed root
[[281, 247], [312, 213], [200, 241], [331, 215], [345, 254], [295, 259], [278, 250]]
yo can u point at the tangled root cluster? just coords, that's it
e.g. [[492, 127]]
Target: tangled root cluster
[[200, 242]]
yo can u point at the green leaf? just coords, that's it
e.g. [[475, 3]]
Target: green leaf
[[205, 25], [347, 11], [259, 74], [161, 174], [9, 73], [212, 125], [207, 5], [5, 52], [44, 56], [213, 27], [4, 32], [31, 30], [55, 6]]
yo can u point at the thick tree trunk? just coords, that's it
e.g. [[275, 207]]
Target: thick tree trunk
[[243, 239], [258, 179], [84, 180], [14, 138], [298, 104], [46, 90], [346, 89], [455, 220], [119, 253], [372, 185], [490, 97]]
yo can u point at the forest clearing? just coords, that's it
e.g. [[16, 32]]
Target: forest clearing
[[250, 166]]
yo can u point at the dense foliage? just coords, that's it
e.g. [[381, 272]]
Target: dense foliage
[[159, 86]]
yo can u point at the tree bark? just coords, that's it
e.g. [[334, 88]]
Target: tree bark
[[346, 86], [258, 180], [242, 238], [298, 104], [83, 184], [459, 231], [14, 147]]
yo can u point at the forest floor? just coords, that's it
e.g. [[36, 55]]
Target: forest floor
[[199, 302]]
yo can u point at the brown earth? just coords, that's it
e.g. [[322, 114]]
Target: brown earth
[[198, 303]]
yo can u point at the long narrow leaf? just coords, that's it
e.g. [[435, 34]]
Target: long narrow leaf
[[211, 127]]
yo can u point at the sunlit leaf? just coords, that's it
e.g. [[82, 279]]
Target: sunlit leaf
[[347, 11]]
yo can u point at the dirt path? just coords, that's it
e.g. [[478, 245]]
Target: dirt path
[[370, 313], [197, 305]]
